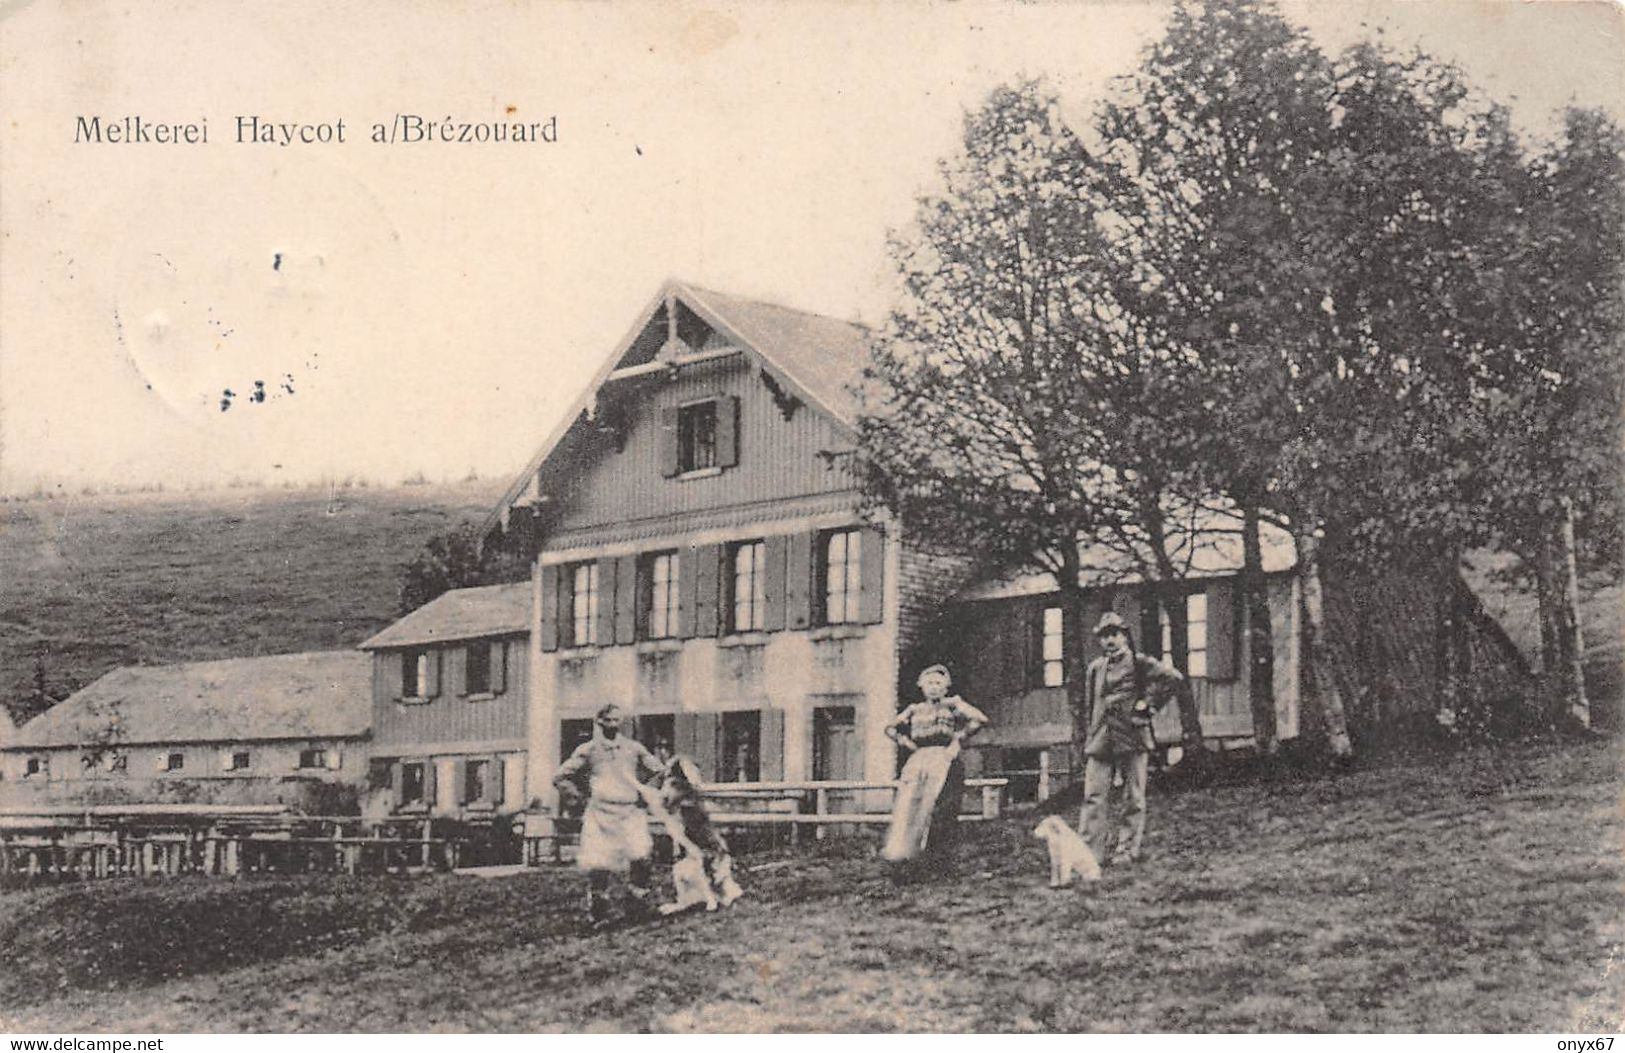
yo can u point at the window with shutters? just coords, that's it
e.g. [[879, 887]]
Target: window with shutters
[[476, 781], [697, 437], [840, 566], [313, 758], [414, 674], [1191, 611], [477, 668], [658, 593], [741, 739], [580, 629], [1052, 647], [414, 782], [747, 587]]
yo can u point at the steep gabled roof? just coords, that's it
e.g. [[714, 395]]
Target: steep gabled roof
[[319, 694], [461, 614], [817, 359]]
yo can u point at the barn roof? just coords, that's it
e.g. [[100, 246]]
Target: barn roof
[[1208, 547], [461, 614], [819, 359], [317, 694]]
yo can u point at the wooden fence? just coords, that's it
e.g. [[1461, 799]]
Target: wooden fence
[[67, 844]]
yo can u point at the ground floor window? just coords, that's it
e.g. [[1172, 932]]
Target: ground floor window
[[741, 759], [414, 783], [658, 733], [572, 733], [313, 758]]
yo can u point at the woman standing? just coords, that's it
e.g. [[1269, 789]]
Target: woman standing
[[926, 814]]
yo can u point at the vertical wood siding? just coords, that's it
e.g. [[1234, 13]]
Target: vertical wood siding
[[450, 717], [777, 458]]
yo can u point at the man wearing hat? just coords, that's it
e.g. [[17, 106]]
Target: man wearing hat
[[1123, 689]]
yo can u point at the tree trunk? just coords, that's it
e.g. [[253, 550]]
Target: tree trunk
[[1570, 669], [1546, 601], [1324, 694], [1074, 650], [1260, 645], [1446, 626], [1190, 721]]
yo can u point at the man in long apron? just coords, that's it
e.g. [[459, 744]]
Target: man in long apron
[[614, 827]]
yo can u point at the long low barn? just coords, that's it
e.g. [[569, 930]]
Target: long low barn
[[289, 728]]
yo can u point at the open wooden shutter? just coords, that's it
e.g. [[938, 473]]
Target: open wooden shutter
[[550, 607], [431, 772], [706, 726], [773, 578], [771, 747], [397, 772], [798, 581], [668, 441], [607, 585], [335, 759], [460, 664], [706, 560], [432, 664], [495, 773], [871, 575], [1221, 631], [459, 774], [728, 431], [499, 666], [686, 562], [626, 599]]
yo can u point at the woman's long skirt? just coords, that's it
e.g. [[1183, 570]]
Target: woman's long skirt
[[927, 805]]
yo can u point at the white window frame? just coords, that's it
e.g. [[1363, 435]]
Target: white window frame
[[748, 586], [1053, 631], [584, 601], [665, 588], [842, 584]]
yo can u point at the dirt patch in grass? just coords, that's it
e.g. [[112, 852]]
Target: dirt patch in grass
[[1478, 892]]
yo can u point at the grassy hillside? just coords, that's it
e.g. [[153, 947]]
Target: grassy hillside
[[1480, 891], [93, 583]]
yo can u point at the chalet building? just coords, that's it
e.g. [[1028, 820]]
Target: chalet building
[[289, 728], [701, 559], [450, 704]]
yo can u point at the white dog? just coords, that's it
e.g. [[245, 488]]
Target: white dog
[[689, 879], [1069, 854]]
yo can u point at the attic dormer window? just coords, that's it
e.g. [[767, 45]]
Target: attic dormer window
[[700, 437], [697, 437]]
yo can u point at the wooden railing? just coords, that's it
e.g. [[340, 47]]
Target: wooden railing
[[792, 806], [59, 844]]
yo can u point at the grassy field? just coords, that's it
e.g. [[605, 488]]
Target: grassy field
[[1478, 892], [93, 583]]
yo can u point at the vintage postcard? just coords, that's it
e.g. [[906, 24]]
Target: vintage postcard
[[736, 517]]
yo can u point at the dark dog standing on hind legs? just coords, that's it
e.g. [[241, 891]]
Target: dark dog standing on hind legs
[[703, 872]]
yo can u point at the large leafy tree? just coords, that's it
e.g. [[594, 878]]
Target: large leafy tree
[[995, 419]]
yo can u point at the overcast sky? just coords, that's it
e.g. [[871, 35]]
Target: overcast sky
[[435, 307]]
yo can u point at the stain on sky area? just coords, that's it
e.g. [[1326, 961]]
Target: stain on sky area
[[257, 392]]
